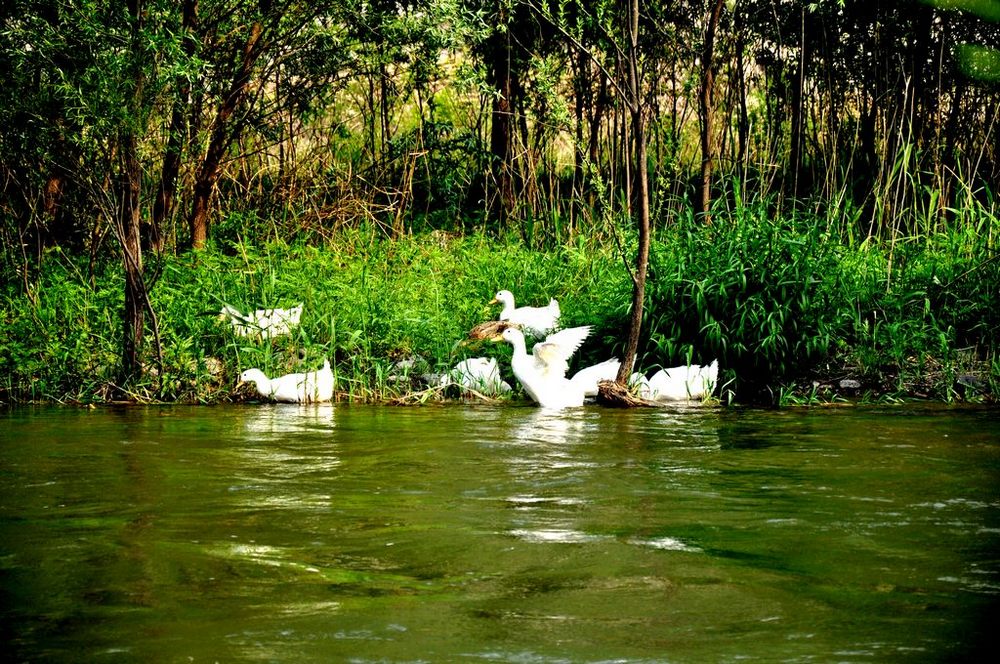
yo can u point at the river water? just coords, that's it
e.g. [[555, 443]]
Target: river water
[[499, 534]]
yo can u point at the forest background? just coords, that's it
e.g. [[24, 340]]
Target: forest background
[[819, 182]]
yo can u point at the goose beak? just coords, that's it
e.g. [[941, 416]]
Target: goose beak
[[494, 301]]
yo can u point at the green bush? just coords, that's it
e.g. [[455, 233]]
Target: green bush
[[765, 296], [781, 302]]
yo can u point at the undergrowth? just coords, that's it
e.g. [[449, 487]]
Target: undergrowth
[[796, 313], [794, 308], [369, 303]]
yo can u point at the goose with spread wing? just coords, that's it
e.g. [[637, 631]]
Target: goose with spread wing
[[535, 321], [543, 373]]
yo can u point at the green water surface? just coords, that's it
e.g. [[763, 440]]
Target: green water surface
[[499, 534]]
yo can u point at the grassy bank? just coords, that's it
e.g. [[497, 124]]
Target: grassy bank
[[795, 309], [368, 303]]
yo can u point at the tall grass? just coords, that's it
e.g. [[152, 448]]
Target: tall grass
[[789, 304], [801, 300], [368, 303], [765, 296]]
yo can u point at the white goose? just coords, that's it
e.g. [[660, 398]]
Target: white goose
[[310, 387], [481, 374], [690, 382], [266, 323], [543, 373], [536, 321]]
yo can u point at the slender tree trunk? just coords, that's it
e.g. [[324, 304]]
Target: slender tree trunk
[[385, 97], [798, 110], [134, 323], [639, 199], [582, 90], [594, 142], [743, 124], [130, 222], [222, 136], [163, 205], [502, 125], [706, 110]]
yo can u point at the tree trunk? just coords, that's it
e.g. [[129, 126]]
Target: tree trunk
[[743, 124], [582, 94], [596, 122], [386, 97], [798, 110], [130, 221], [222, 136], [163, 205], [639, 199], [706, 110], [132, 257], [502, 125]]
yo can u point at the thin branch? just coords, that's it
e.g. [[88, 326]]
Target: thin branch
[[578, 44]]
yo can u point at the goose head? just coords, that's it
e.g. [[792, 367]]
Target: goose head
[[504, 297], [512, 335], [255, 376]]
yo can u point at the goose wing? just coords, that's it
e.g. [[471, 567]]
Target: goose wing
[[552, 355]]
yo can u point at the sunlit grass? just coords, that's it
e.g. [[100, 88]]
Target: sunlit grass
[[789, 305]]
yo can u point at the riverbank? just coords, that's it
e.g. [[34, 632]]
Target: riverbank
[[794, 313]]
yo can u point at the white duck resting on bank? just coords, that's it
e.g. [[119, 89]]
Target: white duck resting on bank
[[535, 321], [310, 387], [690, 382], [481, 374], [543, 373], [262, 323]]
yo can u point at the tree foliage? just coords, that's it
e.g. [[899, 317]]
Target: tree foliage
[[502, 111]]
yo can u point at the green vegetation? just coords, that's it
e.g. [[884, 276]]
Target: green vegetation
[[783, 302], [818, 179], [794, 305], [368, 301]]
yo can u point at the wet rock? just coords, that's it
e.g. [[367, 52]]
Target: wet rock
[[970, 383], [407, 369], [849, 384], [970, 380]]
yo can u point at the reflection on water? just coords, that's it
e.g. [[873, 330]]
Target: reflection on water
[[283, 446], [547, 464], [547, 427], [277, 420], [341, 533], [555, 465], [666, 544]]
